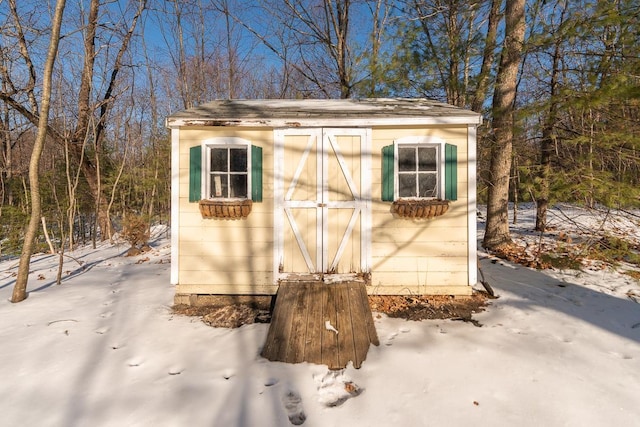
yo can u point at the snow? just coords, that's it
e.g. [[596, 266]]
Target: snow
[[103, 349]]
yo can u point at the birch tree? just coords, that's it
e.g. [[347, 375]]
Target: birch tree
[[20, 287]]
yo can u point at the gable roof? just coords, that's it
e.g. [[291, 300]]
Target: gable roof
[[323, 112]]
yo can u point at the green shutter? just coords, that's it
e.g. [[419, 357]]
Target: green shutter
[[256, 173], [387, 173], [450, 172], [195, 173]]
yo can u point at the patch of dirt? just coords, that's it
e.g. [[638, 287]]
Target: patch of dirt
[[405, 307], [430, 306], [633, 273], [228, 316], [519, 255]]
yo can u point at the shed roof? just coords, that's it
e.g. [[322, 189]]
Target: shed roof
[[323, 112]]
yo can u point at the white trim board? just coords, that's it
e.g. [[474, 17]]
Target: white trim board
[[471, 205], [175, 204]]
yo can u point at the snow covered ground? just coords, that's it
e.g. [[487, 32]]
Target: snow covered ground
[[103, 349]]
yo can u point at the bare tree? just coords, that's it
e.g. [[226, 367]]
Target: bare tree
[[92, 111], [380, 15], [317, 42], [6, 156], [503, 123], [20, 287], [488, 57]]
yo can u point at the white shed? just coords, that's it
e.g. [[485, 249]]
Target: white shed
[[380, 191]]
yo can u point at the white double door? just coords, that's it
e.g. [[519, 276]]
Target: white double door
[[322, 203]]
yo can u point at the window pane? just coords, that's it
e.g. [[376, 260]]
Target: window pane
[[407, 185], [219, 159], [406, 159], [238, 186], [427, 158], [238, 159], [428, 185], [219, 185]]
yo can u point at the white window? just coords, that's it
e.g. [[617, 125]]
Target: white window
[[419, 167], [227, 169], [228, 176], [418, 170]]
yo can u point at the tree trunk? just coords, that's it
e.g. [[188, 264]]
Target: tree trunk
[[6, 170], [549, 137], [20, 287], [86, 109], [379, 19], [92, 177], [487, 57], [497, 228], [546, 151], [338, 16]]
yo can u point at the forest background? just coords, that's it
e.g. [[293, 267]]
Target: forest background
[[122, 66]]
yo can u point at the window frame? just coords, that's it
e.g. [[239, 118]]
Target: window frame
[[228, 143], [420, 141]]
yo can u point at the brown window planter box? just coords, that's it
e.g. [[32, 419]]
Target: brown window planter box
[[225, 209], [419, 208]]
